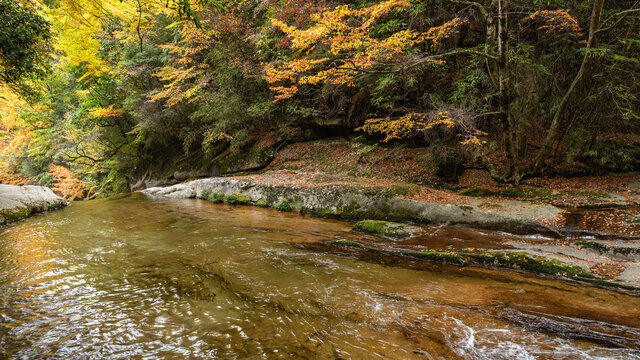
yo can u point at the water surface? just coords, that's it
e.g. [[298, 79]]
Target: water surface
[[133, 278]]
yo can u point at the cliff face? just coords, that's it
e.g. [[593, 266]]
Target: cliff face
[[17, 202]]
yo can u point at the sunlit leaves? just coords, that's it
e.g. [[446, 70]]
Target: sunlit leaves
[[66, 184], [343, 43]]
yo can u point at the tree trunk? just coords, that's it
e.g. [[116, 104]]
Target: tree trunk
[[560, 114], [508, 125]]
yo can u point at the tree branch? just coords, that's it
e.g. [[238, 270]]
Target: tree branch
[[481, 8], [453, 53], [624, 15]]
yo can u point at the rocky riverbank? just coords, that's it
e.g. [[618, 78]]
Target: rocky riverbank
[[353, 202], [545, 245], [17, 202]]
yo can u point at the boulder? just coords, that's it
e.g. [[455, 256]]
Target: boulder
[[179, 191], [17, 202]]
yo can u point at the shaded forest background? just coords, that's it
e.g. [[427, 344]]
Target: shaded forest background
[[98, 94]]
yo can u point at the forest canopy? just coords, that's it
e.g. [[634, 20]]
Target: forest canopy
[[99, 93]]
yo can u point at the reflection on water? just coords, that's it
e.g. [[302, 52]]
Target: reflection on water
[[136, 279]]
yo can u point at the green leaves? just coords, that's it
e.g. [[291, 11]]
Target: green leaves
[[24, 43]]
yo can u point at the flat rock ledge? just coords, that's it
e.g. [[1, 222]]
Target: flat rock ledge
[[349, 202], [17, 202]]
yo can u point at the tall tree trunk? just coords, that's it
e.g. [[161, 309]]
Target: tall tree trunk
[[508, 125], [583, 72]]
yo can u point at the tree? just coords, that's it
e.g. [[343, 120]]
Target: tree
[[597, 27], [336, 52], [24, 43]]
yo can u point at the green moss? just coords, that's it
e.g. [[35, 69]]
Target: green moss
[[216, 197], [379, 228], [503, 259], [15, 214], [438, 256], [262, 203], [589, 194], [398, 190], [477, 192], [204, 194], [423, 255], [237, 199], [283, 205], [492, 205], [528, 193], [329, 212], [524, 261], [591, 245]]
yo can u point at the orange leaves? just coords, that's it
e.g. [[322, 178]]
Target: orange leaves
[[473, 138], [66, 184], [346, 35], [436, 34], [8, 175], [555, 21]]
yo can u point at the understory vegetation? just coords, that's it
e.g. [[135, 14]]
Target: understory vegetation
[[98, 94]]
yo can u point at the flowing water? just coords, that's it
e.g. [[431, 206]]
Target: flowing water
[[132, 278]]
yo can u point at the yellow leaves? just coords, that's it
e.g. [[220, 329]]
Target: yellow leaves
[[392, 129], [405, 126], [183, 84], [187, 74], [109, 111], [411, 124], [436, 34], [473, 138], [346, 34]]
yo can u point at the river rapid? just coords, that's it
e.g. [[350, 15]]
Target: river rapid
[[132, 278]]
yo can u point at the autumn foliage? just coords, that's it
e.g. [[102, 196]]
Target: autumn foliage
[[66, 184], [342, 45]]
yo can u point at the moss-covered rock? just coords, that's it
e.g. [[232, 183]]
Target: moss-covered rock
[[352, 202], [385, 228], [216, 197], [477, 191], [17, 202], [284, 205], [237, 199], [528, 193], [204, 194], [495, 259]]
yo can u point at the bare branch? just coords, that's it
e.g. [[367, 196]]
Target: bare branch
[[481, 8], [623, 15], [453, 53]]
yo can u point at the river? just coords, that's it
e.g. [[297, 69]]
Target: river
[[132, 278]]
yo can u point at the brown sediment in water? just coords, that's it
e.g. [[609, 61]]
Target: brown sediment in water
[[176, 278]]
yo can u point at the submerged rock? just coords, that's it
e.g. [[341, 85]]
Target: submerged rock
[[17, 202]]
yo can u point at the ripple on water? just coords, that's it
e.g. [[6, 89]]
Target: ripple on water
[[133, 278]]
